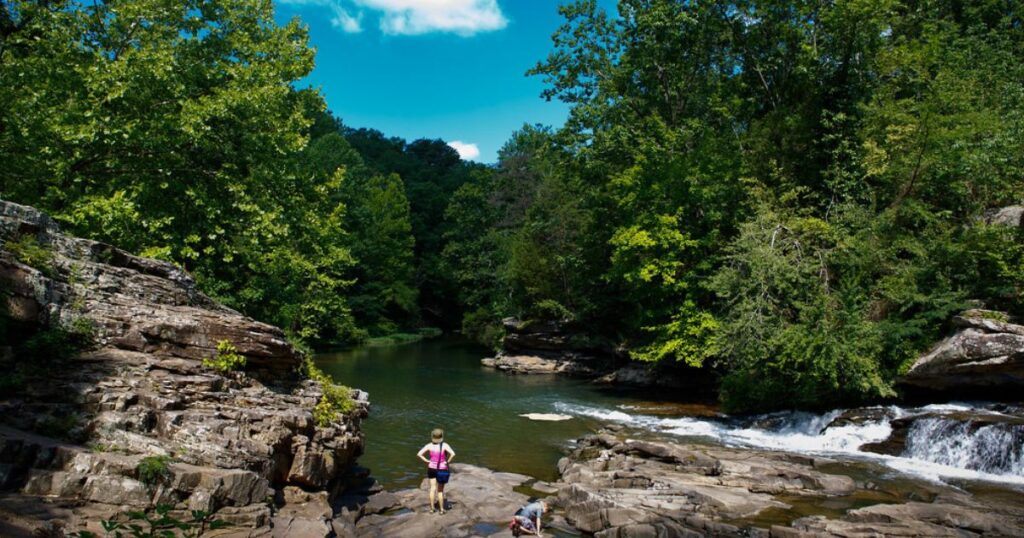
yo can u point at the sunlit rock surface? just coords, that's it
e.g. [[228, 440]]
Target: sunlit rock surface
[[237, 444], [983, 359]]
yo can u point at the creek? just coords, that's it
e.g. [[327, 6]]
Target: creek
[[440, 383]]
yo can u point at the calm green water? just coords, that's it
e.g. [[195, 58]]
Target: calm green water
[[440, 383]]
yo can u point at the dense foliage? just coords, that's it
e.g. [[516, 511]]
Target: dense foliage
[[173, 130], [794, 193]]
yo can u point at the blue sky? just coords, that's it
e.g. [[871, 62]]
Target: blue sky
[[449, 69]]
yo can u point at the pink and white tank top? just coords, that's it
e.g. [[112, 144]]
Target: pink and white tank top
[[437, 459]]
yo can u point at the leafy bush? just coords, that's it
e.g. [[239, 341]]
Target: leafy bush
[[483, 326], [54, 345], [550, 309], [153, 469], [336, 400], [12, 382], [28, 250], [228, 358], [60, 427], [160, 525]]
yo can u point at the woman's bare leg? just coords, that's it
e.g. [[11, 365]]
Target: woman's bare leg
[[440, 496], [433, 492]]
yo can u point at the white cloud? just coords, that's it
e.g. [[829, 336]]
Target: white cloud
[[340, 17], [414, 17], [347, 23], [467, 152]]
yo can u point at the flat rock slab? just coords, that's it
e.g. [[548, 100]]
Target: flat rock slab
[[613, 487], [480, 503]]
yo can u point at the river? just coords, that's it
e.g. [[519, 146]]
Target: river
[[440, 383]]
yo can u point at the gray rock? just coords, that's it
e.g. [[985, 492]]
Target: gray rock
[[144, 391], [480, 503], [985, 357], [614, 488], [1007, 216]]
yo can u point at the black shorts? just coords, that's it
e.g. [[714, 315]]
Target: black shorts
[[443, 479]]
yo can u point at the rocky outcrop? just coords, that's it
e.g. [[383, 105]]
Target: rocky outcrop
[[1012, 216], [75, 443], [549, 347], [984, 358], [480, 504], [134, 303], [617, 488], [566, 364]]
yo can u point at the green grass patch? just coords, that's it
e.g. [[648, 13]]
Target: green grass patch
[[398, 339], [992, 315]]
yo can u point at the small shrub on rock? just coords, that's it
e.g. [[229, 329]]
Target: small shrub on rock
[[336, 400], [153, 469], [158, 524], [228, 358], [61, 427], [28, 250]]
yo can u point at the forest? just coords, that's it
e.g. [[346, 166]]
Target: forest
[[796, 194]]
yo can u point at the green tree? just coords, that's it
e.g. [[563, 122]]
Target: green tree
[[169, 129]]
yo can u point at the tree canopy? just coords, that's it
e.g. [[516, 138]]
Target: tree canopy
[[791, 193]]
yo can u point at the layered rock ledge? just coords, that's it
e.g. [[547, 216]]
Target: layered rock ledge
[[549, 347], [242, 446], [983, 359], [617, 488]]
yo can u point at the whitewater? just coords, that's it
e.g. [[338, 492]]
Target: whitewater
[[940, 446]]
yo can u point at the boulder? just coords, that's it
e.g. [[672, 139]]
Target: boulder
[[549, 347], [984, 358], [1007, 216]]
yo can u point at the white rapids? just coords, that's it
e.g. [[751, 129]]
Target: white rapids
[[546, 417], [942, 444]]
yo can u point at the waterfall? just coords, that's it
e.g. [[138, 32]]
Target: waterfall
[[962, 441], [996, 448]]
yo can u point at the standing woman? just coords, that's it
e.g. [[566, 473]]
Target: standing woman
[[437, 466]]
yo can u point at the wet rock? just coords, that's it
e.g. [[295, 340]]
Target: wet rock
[[861, 416], [614, 487]]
